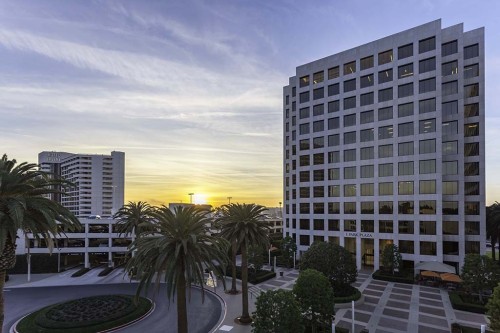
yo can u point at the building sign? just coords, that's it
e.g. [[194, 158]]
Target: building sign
[[358, 234]]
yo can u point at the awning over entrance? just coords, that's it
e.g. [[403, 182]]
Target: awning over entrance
[[435, 266]]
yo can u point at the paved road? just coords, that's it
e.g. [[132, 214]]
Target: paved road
[[202, 318]]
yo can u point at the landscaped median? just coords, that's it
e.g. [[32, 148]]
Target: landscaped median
[[86, 315]]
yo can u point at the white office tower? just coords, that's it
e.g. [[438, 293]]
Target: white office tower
[[384, 143], [99, 181]]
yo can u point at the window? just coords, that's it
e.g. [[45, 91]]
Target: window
[[385, 207], [450, 248], [405, 148], [427, 65], [366, 225], [428, 248], [427, 126], [385, 113], [349, 155], [333, 73], [405, 227], [471, 71], [318, 158], [385, 95], [287, 99], [471, 169], [294, 91], [304, 113], [405, 51], [427, 85], [471, 110], [366, 135], [350, 68], [319, 224], [334, 208], [385, 226], [405, 168], [427, 105], [405, 207], [350, 173], [366, 81], [385, 151], [450, 127], [471, 188], [367, 207], [385, 170], [427, 146], [427, 187], [333, 123], [450, 207], [427, 227], [333, 140], [334, 191], [405, 129], [333, 89], [471, 247], [304, 144], [405, 71], [333, 157], [318, 109], [294, 106], [471, 208], [350, 208], [426, 45], [304, 240], [349, 190], [449, 68], [304, 129], [450, 227], [366, 63], [318, 77], [304, 208], [318, 93], [471, 149], [385, 76], [405, 110], [450, 108], [471, 90], [367, 171], [449, 88], [406, 246], [319, 126], [385, 188], [449, 48], [304, 176], [405, 90], [304, 192], [319, 175], [349, 225], [333, 225], [349, 137], [318, 142], [450, 147], [427, 166], [405, 187], [350, 85], [385, 132], [366, 99], [385, 57], [471, 51], [366, 117], [304, 97], [450, 187], [472, 228], [367, 153], [471, 129], [304, 160], [304, 81], [350, 120], [333, 106], [450, 168], [349, 103]]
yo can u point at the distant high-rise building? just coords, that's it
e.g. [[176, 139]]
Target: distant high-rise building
[[384, 143], [99, 181]]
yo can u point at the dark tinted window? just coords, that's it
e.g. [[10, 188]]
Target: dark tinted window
[[405, 51], [427, 44], [471, 51], [449, 48], [405, 70]]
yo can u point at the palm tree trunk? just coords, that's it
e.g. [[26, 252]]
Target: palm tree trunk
[[2, 301], [245, 316], [182, 322], [234, 249]]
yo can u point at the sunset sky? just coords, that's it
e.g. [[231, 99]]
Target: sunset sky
[[190, 90]]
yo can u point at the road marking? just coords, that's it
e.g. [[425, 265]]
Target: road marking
[[226, 328]]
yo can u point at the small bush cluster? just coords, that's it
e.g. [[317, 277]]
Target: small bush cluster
[[355, 294], [106, 271], [80, 272], [399, 278], [458, 303]]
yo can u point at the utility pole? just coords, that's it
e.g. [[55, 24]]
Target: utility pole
[[229, 198], [191, 197]]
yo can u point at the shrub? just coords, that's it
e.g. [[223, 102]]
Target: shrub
[[402, 277], [458, 303], [80, 272], [355, 294]]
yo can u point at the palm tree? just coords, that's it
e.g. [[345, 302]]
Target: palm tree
[[241, 223], [24, 207], [178, 253], [134, 218], [493, 226]]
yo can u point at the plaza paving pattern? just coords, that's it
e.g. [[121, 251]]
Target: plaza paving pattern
[[391, 307]]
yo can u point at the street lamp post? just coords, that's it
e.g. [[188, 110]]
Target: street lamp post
[[281, 213], [191, 197], [229, 199]]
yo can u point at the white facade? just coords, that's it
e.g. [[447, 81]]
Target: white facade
[[99, 181], [384, 143]]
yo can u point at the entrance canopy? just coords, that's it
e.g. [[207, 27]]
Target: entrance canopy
[[435, 266]]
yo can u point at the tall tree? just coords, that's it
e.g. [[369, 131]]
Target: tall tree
[[277, 311], [178, 251], [315, 296], [391, 258], [288, 249], [134, 218], [24, 207], [480, 273], [242, 223], [493, 307], [493, 227]]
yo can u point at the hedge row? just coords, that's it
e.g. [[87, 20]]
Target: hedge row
[[80, 272], [458, 303], [40, 263], [254, 278], [346, 299], [106, 271], [380, 275]]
